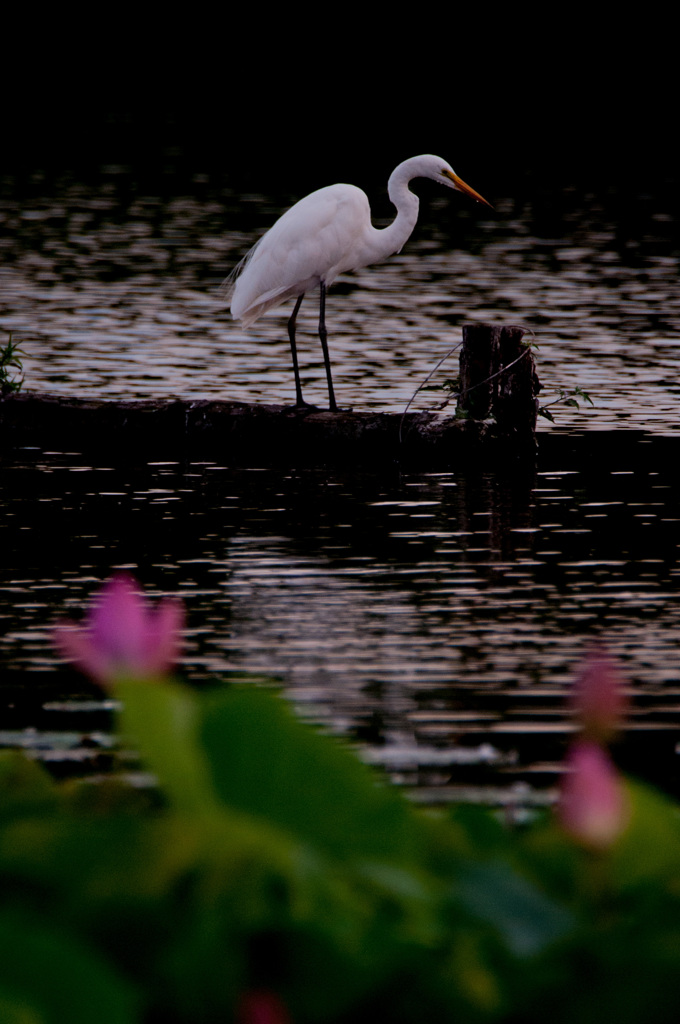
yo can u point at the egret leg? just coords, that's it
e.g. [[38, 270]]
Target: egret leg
[[324, 345], [291, 335]]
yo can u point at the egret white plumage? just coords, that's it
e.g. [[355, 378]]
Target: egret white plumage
[[323, 235]]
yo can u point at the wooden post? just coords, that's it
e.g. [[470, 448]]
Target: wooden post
[[478, 364], [516, 402], [489, 391]]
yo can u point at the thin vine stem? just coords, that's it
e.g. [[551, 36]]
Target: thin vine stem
[[458, 394]]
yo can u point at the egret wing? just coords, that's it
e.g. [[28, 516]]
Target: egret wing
[[311, 242]]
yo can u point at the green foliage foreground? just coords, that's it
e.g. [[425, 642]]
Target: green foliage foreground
[[271, 860], [10, 360]]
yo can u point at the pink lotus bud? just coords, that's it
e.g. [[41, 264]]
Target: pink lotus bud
[[592, 805], [123, 636], [261, 1008], [598, 696]]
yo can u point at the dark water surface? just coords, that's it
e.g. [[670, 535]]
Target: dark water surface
[[435, 618], [114, 292]]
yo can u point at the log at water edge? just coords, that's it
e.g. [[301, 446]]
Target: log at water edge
[[491, 415]]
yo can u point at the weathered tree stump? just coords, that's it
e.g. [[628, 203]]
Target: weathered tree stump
[[496, 406], [498, 379]]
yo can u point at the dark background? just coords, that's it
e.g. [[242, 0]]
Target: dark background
[[295, 98]]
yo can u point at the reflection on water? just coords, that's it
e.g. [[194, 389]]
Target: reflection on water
[[434, 618], [117, 294]]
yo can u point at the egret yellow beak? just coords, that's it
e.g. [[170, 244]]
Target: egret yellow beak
[[462, 187]]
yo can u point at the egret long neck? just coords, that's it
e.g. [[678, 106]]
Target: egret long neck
[[392, 238]]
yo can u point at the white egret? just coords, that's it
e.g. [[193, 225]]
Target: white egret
[[323, 235]]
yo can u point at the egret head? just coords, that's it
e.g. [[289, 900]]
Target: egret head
[[453, 181], [429, 166]]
